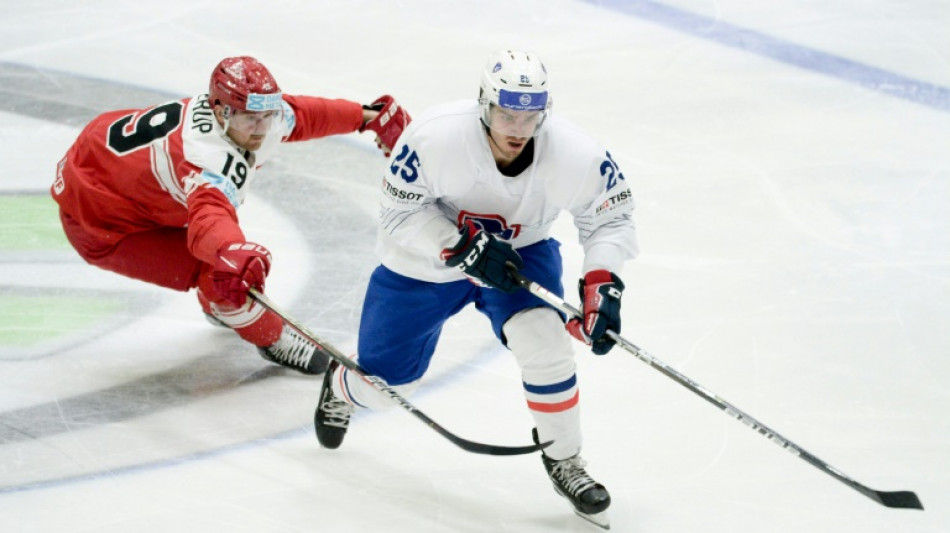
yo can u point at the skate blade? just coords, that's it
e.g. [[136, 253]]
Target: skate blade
[[598, 519]]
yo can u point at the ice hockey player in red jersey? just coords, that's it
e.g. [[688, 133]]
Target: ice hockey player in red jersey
[[152, 193]]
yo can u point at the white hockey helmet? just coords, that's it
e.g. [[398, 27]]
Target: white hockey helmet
[[517, 81]]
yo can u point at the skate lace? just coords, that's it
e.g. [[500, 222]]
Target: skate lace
[[571, 475], [293, 349], [337, 412]]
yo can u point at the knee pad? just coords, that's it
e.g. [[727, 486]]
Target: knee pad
[[540, 345]]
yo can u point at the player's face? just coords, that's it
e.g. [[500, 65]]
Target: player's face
[[248, 129], [510, 131], [511, 123]]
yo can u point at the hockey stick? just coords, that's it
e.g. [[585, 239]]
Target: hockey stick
[[899, 499], [381, 386]]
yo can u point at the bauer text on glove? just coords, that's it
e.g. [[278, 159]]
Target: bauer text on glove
[[240, 266], [388, 124]]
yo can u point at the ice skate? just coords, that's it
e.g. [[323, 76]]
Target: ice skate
[[332, 418], [589, 498], [294, 351]]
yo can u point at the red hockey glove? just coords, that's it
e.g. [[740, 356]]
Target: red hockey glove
[[240, 266], [388, 124], [600, 292], [483, 257]]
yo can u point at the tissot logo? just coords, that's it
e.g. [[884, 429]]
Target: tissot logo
[[400, 194], [614, 201]]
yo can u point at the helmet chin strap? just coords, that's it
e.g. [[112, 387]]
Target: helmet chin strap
[[227, 122], [224, 129], [490, 138]]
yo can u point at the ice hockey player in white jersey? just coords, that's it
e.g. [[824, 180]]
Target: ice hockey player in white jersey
[[472, 186]]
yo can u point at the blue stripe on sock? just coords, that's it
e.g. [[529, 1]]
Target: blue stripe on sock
[[553, 388]]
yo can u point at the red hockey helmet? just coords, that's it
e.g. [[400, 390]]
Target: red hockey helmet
[[245, 84]]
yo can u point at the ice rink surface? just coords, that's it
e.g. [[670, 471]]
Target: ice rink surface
[[791, 163]]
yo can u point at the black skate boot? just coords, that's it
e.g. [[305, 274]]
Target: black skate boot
[[293, 351], [332, 418], [589, 498]]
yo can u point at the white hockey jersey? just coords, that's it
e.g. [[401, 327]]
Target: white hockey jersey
[[442, 173]]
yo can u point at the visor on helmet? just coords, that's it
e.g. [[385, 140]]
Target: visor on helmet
[[263, 115], [254, 123], [512, 122]]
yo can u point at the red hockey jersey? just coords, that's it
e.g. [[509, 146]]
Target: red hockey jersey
[[171, 165]]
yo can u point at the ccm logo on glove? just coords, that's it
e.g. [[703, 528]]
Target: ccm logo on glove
[[483, 258]]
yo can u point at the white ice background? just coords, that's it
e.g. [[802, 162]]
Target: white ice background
[[791, 164]]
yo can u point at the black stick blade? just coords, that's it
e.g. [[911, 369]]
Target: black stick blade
[[902, 499], [490, 449]]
